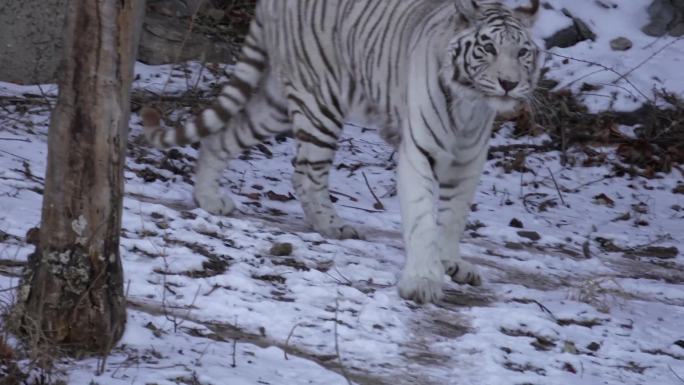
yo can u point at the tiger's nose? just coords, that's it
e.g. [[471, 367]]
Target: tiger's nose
[[508, 85]]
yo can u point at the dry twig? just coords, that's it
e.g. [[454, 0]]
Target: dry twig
[[378, 204], [609, 69], [289, 336], [337, 345], [560, 195], [675, 374]]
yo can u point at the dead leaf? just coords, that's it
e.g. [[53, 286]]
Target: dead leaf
[[279, 197], [605, 200]]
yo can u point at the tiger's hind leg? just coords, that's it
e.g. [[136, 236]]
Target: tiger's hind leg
[[264, 116], [317, 130]]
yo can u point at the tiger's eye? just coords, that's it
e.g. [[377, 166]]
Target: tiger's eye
[[490, 48], [523, 52]]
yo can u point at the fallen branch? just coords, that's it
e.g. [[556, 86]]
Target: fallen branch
[[234, 363], [287, 340], [609, 69], [27, 99], [675, 374], [229, 332], [15, 140], [679, 168], [337, 345], [522, 146], [560, 195], [186, 98], [362, 209], [14, 155], [351, 198], [378, 204], [649, 58]]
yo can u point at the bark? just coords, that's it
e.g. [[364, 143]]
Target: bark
[[73, 294]]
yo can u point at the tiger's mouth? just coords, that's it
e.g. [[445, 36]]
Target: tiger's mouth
[[504, 103]]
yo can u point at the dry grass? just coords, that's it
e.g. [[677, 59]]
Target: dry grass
[[657, 147], [601, 293]]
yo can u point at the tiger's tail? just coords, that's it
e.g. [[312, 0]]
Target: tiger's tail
[[247, 75]]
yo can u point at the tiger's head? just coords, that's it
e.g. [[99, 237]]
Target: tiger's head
[[493, 53]]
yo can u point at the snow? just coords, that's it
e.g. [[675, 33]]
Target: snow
[[565, 309], [627, 79]]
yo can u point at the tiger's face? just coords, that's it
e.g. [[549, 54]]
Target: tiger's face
[[497, 58]]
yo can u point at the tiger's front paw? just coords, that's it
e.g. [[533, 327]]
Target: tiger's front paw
[[421, 288], [463, 272], [214, 203]]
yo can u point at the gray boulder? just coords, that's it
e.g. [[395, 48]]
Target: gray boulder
[[179, 8], [165, 39], [30, 40], [31, 37], [579, 31], [621, 44], [667, 16]]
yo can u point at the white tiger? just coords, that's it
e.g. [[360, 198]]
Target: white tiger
[[434, 72]]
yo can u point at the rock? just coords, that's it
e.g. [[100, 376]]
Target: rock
[[33, 236], [594, 346], [514, 246], [30, 40], [171, 8], [679, 189], [655, 252], [166, 40], [662, 14], [531, 235], [187, 8], [31, 37], [281, 249], [579, 31], [515, 222], [216, 14], [667, 16], [621, 44], [570, 347]]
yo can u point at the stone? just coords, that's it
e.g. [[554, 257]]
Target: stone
[[166, 40], [662, 14], [578, 32], [621, 44], [282, 249], [178, 8], [667, 16], [31, 37], [30, 40], [531, 235], [594, 346]]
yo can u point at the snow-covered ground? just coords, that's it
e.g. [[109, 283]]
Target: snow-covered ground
[[625, 79], [584, 293]]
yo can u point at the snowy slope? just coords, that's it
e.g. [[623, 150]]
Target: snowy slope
[[626, 79], [583, 294]]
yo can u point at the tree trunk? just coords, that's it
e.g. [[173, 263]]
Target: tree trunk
[[73, 295]]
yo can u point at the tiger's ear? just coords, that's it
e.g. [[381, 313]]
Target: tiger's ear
[[527, 15], [468, 10]]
